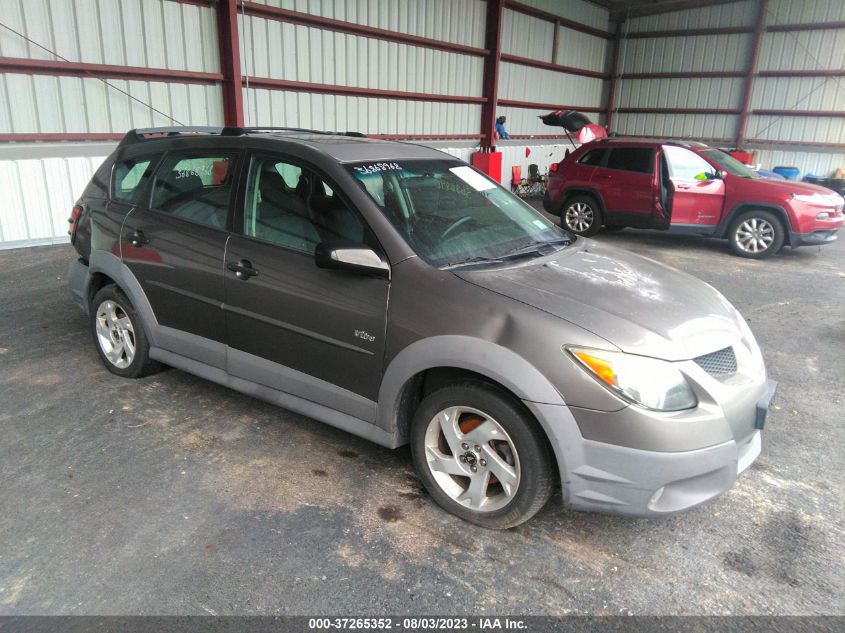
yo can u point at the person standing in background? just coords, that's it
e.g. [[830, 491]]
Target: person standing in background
[[500, 128]]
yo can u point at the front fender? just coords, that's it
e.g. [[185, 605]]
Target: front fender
[[462, 352]]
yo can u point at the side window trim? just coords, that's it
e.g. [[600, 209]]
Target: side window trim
[[252, 155], [146, 191], [234, 188]]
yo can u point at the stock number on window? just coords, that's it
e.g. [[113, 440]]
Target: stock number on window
[[377, 167]]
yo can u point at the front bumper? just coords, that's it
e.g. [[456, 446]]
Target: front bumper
[[820, 236], [602, 477]]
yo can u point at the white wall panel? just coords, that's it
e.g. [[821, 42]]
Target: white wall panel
[[702, 126], [720, 15], [582, 50], [798, 128], [527, 36], [151, 33], [40, 103], [681, 93], [458, 21], [359, 114], [799, 93], [549, 86], [581, 11], [702, 53], [300, 53], [38, 196], [802, 11], [803, 50], [812, 163]]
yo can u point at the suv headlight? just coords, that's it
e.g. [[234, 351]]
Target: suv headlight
[[648, 382]]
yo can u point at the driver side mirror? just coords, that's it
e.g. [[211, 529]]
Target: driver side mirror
[[352, 257]]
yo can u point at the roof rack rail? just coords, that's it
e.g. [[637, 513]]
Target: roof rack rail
[[152, 133]]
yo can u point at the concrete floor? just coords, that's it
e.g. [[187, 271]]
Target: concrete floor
[[170, 495]]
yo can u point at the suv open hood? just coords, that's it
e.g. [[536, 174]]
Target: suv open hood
[[635, 303]]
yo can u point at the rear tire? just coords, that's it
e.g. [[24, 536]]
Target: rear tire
[[756, 234], [481, 456], [119, 335], [581, 215]]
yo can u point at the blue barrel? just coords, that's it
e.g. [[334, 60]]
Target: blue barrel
[[790, 173]]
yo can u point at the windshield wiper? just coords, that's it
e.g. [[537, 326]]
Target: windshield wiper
[[474, 260], [536, 246]]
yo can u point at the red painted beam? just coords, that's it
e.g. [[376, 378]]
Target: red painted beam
[[426, 137], [749, 78], [354, 91], [729, 30], [801, 73], [614, 69], [533, 105], [807, 26], [490, 80], [766, 143], [351, 28], [36, 137], [810, 113], [537, 136], [686, 75], [551, 17], [678, 111], [230, 61], [536, 63], [104, 71]]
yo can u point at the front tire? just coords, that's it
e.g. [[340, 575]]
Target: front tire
[[756, 234], [581, 215], [481, 456], [119, 335]]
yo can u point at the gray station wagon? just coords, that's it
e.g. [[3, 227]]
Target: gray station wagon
[[395, 292]]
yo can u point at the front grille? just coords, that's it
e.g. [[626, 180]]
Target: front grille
[[721, 364]]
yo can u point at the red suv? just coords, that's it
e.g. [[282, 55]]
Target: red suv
[[688, 187]]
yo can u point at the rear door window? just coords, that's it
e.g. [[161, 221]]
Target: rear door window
[[130, 177], [195, 187], [638, 159]]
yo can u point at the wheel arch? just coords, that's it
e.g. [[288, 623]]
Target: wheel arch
[[742, 207], [105, 268], [579, 190], [429, 363]]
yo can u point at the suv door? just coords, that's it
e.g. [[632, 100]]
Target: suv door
[[174, 243], [626, 182], [315, 333], [694, 201]]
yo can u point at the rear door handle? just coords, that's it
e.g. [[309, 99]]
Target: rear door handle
[[243, 269], [138, 239]]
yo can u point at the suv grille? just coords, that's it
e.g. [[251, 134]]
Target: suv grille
[[721, 364]]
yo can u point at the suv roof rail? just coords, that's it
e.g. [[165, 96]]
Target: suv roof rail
[[153, 133], [648, 139]]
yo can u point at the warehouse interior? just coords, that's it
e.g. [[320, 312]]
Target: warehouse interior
[[763, 76]]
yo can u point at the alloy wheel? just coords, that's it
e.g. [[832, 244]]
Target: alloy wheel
[[115, 334], [472, 458], [579, 217], [755, 235]]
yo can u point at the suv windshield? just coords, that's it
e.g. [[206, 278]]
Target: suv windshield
[[451, 214], [729, 163]]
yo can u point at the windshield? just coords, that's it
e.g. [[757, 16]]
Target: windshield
[[729, 163], [450, 214]]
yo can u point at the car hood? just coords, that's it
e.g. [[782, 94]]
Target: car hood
[[787, 187], [637, 304]]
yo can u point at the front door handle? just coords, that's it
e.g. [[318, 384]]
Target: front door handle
[[137, 239], [242, 269]]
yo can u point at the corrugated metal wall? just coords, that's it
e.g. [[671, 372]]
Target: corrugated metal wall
[[703, 53], [808, 50]]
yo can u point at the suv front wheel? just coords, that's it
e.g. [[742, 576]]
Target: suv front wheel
[[481, 456], [756, 234], [581, 215]]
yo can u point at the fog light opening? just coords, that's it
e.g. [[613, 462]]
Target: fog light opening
[[824, 215]]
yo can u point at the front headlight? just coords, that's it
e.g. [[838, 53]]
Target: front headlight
[[648, 382]]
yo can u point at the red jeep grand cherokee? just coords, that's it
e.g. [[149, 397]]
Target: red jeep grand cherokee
[[688, 187]]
